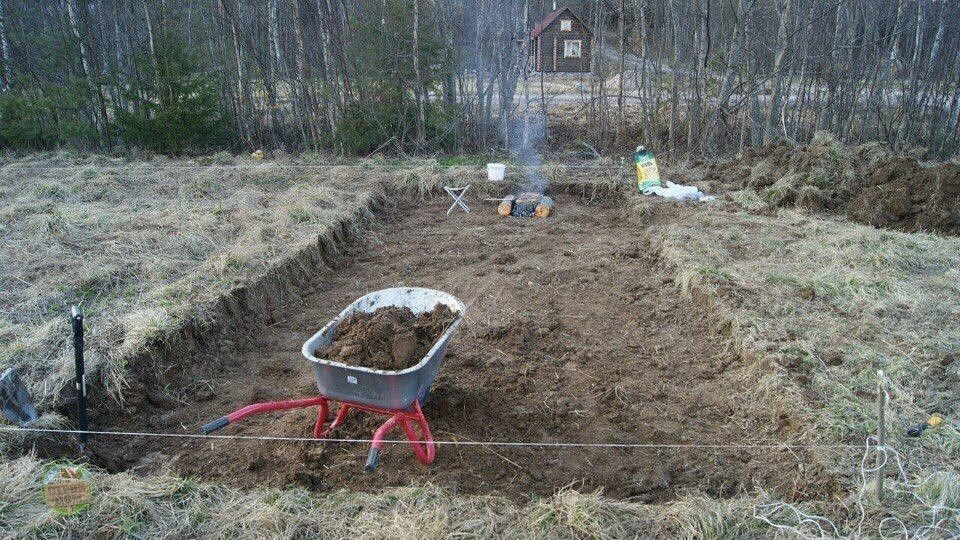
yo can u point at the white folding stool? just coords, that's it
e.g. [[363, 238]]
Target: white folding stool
[[457, 193]]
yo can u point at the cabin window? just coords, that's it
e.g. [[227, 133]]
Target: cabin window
[[571, 48], [566, 25]]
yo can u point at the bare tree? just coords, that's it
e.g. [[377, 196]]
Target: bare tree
[[418, 89], [784, 12], [622, 68], [100, 116], [694, 77], [5, 51]]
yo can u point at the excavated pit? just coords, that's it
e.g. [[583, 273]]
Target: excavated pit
[[574, 333]]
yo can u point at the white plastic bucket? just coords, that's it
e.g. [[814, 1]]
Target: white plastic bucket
[[495, 171]]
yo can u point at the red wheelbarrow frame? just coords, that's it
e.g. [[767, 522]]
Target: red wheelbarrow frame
[[424, 449]]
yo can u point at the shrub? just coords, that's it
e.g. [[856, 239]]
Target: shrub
[[176, 108], [369, 126], [21, 122]]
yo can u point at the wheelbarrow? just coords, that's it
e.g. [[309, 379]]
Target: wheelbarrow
[[395, 394]]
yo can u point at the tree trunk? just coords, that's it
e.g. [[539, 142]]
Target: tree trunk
[[733, 56], [695, 122], [622, 70], [339, 50], [445, 30], [642, 90], [119, 73], [418, 87], [774, 105], [597, 78], [953, 117], [333, 99], [522, 56], [305, 98], [674, 76], [268, 71], [833, 80], [151, 42], [7, 80], [909, 98], [99, 117], [273, 28], [888, 69]]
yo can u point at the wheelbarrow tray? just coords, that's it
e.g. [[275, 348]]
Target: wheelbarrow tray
[[377, 387]]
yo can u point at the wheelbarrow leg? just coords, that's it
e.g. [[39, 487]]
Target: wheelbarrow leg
[[318, 430], [425, 450], [377, 444]]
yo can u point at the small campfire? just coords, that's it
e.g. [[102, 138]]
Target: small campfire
[[525, 204]]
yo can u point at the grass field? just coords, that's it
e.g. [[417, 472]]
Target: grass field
[[827, 304], [142, 247], [813, 305]]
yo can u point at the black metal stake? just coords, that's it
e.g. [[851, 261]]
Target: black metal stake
[[76, 319]]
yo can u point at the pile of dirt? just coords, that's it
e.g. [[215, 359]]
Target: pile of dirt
[[903, 194], [868, 183], [390, 338]]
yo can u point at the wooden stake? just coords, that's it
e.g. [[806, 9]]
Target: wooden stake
[[881, 434]]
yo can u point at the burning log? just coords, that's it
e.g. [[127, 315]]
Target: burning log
[[506, 206], [525, 204], [543, 207]]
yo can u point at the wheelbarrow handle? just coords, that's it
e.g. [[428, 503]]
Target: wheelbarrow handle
[[259, 408], [215, 425]]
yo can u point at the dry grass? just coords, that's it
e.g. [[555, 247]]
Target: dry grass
[[825, 303], [127, 505], [141, 247], [145, 246]]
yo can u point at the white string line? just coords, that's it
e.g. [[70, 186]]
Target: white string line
[[11, 167], [804, 523], [441, 442]]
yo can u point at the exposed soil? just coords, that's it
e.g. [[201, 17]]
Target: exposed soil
[[868, 183], [573, 333], [901, 193], [390, 338]]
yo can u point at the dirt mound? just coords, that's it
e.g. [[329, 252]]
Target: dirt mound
[[868, 183], [903, 194], [391, 337]]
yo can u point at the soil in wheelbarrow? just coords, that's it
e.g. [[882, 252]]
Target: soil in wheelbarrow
[[574, 334], [390, 338]]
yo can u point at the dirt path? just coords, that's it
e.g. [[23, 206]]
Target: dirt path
[[573, 334]]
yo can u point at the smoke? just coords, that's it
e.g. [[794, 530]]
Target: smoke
[[501, 59], [527, 132]]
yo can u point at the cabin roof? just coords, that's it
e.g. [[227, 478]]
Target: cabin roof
[[550, 18]]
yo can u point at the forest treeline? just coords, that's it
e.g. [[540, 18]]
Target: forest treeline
[[692, 77]]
